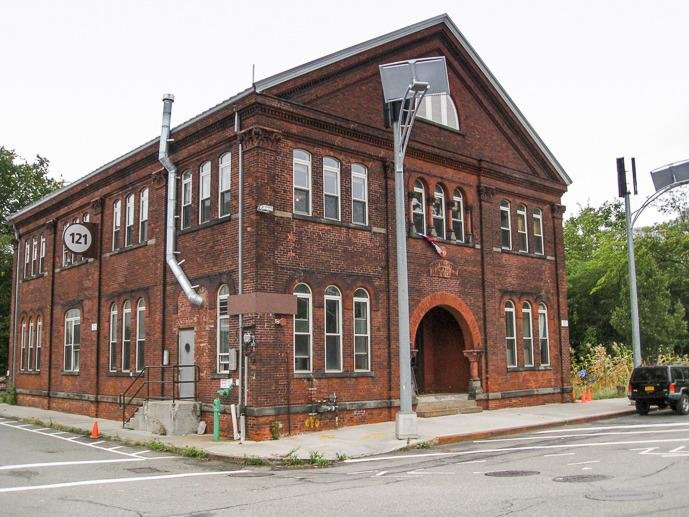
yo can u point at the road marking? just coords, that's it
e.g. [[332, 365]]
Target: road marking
[[576, 435], [558, 454], [469, 462], [50, 434], [381, 473], [64, 463], [584, 462], [511, 449], [112, 448], [42, 429], [586, 468], [608, 427], [120, 480], [99, 441], [677, 449], [21, 426], [427, 473], [674, 453]]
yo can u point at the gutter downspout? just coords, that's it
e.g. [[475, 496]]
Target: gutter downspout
[[163, 158], [16, 308], [243, 377]]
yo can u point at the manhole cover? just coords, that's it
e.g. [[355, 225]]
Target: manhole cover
[[251, 474], [512, 473], [581, 478], [624, 496], [145, 470]]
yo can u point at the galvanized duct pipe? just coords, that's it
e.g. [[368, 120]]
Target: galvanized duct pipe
[[164, 159]]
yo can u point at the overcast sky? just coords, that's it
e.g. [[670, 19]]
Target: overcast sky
[[82, 81]]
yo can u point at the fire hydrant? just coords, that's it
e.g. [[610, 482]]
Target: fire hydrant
[[225, 392]]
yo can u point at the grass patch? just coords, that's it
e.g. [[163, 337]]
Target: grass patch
[[290, 459], [189, 452], [317, 459], [339, 456], [254, 460]]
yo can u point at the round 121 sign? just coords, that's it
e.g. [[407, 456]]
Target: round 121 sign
[[80, 238]]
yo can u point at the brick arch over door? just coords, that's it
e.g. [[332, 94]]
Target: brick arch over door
[[460, 310]]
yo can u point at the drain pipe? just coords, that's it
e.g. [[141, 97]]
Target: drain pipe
[[243, 362], [17, 271], [164, 159]]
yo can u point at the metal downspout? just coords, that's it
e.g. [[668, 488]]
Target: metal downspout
[[16, 308], [243, 362], [163, 158]]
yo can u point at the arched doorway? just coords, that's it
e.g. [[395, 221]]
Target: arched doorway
[[439, 364]]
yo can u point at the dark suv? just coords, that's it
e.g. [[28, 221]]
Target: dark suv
[[662, 386]]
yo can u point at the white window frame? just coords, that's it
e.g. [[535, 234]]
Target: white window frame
[[143, 215], [361, 297], [308, 297], [225, 176], [510, 341], [129, 220], [205, 191], [360, 174], [34, 256], [331, 166], [112, 347], [446, 110], [505, 230], [116, 223], [419, 188], [32, 337], [41, 256], [307, 189], [539, 248], [39, 342], [223, 319], [22, 350], [27, 257], [338, 333], [543, 337], [126, 331], [140, 357], [439, 215], [185, 199], [73, 348], [527, 333], [522, 230], [458, 202]]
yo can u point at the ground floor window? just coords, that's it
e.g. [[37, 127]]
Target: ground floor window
[[72, 340]]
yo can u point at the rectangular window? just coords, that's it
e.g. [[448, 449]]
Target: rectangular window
[[129, 221], [331, 188], [126, 336], [543, 335], [205, 193], [140, 335], [27, 257], [302, 333], [538, 231], [34, 257], [29, 355], [418, 209], [223, 330], [143, 216], [301, 164], [186, 200], [333, 334], [225, 181], [39, 343], [41, 260], [510, 335], [112, 352], [438, 212], [359, 194], [361, 334], [22, 352], [116, 222], [458, 216], [522, 232], [72, 340], [505, 226], [527, 329]]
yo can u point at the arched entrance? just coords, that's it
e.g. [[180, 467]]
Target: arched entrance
[[438, 362]]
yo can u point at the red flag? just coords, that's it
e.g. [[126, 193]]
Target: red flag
[[437, 247]]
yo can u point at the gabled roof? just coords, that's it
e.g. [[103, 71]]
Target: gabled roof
[[316, 64]]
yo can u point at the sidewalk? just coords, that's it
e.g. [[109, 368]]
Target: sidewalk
[[356, 441]]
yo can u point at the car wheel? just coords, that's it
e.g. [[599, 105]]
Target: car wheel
[[682, 406], [642, 407]]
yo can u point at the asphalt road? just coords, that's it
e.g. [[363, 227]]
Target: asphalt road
[[626, 466]]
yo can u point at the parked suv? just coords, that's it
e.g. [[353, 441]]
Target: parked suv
[[662, 386]]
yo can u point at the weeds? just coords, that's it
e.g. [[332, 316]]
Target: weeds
[[340, 456], [254, 460], [317, 459], [291, 458]]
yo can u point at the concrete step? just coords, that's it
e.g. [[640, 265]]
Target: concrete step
[[441, 404]]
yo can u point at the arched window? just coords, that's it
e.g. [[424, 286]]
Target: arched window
[[126, 335], [185, 221], [458, 215], [143, 215], [205, 192], [116, 223], [527, 331], [140, 334], [362, 331], [510, 334], [439, 211], [522, 229], [22, 356], [439, 109], [112, 349], [302, 329], [39, 342], [359, 194], [224, 184], [544, 342], [301, 167], [72, 340], [418, 208], [29, 355], [505, 226], [333, 329], [538, 231], [129, 220], [331, 188], [223, 326]]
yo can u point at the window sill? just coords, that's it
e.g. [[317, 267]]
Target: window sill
[[464, 244], [77, 264], [34, 277], [129, 248], [333, 375], [122, 374], [209, 224], [70, 373], [520, 253], [29, 372], [331, 222], [528, 368], [223, 375]]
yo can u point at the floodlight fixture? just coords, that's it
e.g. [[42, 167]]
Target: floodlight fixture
[[669, 174], [398, 77]]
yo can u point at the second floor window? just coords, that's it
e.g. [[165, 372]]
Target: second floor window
[[129, 220], [205, 192], [439, 211], [331, 188], [41, 257], [72, 340], [458, 215], [418, 208], [186, 200], [522, 229], [34, 256], [538, 231], [505, 226], [225, 180], [143, 216], [116, 222], [301, 163], [27, 257], [359, 194]]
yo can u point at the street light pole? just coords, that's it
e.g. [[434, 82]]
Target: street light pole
[[634, 301]]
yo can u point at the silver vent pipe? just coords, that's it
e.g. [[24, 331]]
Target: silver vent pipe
[[170, 228]]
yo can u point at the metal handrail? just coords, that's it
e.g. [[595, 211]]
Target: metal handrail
[[145, 376]]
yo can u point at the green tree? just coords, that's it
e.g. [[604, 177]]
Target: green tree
[[21, 183]]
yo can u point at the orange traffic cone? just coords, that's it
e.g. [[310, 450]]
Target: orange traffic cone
[[94, 431], [585, 395]]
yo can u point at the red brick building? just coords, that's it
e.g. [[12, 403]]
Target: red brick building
[[287, 189]]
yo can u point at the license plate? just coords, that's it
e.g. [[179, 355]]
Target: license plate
[[650, 388]]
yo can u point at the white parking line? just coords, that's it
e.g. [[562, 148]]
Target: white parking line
[[64, 463], [558, 454], [578, 435], [381, 473], [677, 449], [120, 480], [607, 427], [470, 462], [584, 462]]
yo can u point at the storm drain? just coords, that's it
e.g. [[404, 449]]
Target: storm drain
[[623, 496], [145, 470], [512, 473], [581, 478]]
